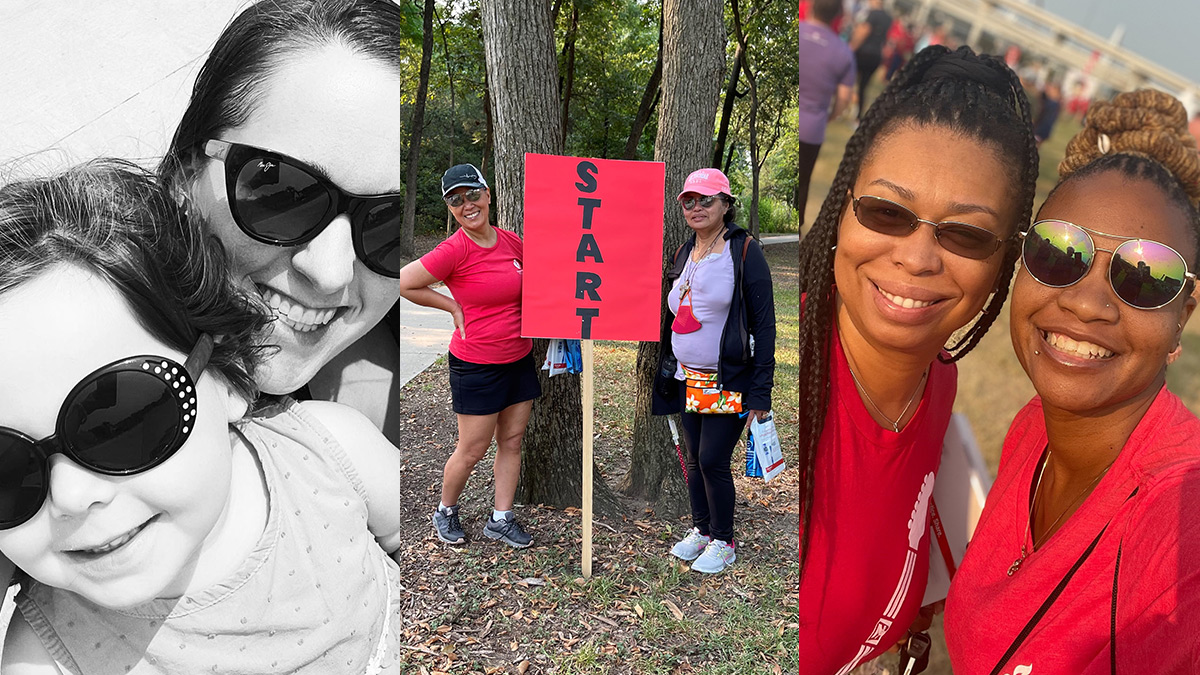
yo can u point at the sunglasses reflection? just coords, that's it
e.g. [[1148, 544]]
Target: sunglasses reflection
[[1132, 279]]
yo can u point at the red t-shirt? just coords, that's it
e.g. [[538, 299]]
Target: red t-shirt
[[486, 282], [1158, 531], [868, 557]]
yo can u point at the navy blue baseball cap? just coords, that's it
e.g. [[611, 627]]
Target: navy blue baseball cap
[[462, 175]]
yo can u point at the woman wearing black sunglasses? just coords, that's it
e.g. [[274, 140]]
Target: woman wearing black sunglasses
[[161, 527], [493, 380], [1087, 556], [915, 242], [287, 150]]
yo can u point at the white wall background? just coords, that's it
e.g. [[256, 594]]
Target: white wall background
[[86, 78]]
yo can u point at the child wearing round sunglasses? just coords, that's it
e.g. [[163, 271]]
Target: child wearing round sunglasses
[[286, 153], [1087, 556], [159, 526], [914, 244]]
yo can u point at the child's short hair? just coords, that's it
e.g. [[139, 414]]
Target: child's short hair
[[114, 219]]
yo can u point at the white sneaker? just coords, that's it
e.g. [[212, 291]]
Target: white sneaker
[[716, 557], [689, 547]]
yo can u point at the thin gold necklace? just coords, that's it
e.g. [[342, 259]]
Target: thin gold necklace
[[895, 424], [1016, 566], [693, 264]]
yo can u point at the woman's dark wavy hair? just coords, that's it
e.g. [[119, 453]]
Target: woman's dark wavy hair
[[975, 96], [112, 218], [255, 44]]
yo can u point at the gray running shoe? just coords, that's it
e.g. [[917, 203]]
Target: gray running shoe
[[447, 526], [508, 531]]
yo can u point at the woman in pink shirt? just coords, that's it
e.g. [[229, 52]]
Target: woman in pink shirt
[[914, 243], [1087, 556], [493, 380]]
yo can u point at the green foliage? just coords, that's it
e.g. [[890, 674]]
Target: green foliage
[[616, 48]]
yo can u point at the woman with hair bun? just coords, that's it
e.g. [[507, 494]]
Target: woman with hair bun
[[1087, 556], [915, 242]]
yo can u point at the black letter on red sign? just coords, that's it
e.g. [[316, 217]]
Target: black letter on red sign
[[588, 247], [587, 283], [588, 205], [589, 181], [587, 314]]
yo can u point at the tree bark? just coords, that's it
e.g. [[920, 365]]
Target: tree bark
[[414, 143], [693, 48], [649, 98], [518, 40]]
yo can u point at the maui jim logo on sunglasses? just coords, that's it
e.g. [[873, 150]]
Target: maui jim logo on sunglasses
[[282, 201], [887, 217], [456, 200], [689, 203], [1143, 273], [121, 419]]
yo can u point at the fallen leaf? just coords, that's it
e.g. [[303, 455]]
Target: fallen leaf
[[675, 612], [523, 666], [640, 612]]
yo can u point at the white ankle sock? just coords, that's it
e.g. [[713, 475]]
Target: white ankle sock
[[499, 515], [443, 508]]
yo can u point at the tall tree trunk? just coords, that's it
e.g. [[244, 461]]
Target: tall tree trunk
[[693, 64], [414, 141], [450, 80], [755, 164], [731, 96], [649, 98], [453, 112], [569, 86], [518, 41]]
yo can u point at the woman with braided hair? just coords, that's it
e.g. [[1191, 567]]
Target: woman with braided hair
[[1087, 556], [917, 233]]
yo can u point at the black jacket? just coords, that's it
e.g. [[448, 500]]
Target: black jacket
[[752, 312]]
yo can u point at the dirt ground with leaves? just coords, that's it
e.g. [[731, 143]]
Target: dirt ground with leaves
[[484, 608]]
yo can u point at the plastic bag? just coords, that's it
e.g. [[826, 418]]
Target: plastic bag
[[556, 357], [767, 451]]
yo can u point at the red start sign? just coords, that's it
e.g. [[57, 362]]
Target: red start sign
[[593, 248]]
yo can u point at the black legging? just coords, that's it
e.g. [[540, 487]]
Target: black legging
[[867, 64], [710, 441]]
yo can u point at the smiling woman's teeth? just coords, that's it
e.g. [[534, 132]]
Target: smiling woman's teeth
[[1082, 349], [300, 318], [906, 303]]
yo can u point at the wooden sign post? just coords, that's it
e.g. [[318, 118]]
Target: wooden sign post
[[592, 266]]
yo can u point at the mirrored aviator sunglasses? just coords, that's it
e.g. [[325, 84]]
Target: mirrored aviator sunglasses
[[122, 419], [1143, 273], [457, 199], [281, 201], [887, 217]]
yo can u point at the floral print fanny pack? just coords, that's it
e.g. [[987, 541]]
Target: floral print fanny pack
[[703, 395]]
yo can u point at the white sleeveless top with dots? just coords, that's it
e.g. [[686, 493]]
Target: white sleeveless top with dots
[[316, 596]]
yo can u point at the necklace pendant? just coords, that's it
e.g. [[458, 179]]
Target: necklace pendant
[[1016, 566]]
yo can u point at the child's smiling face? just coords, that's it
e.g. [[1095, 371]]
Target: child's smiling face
[[116, 540]]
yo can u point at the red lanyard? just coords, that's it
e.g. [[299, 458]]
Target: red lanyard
[[940, 532]]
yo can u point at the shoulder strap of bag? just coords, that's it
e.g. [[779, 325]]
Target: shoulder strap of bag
[[1037, 616]]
